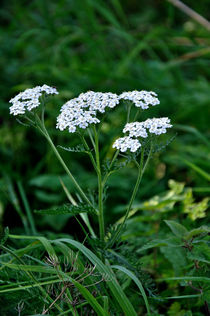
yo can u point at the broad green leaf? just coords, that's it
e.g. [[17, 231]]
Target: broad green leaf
[[176, 187], [178, 229], [177, 258], [197, 210], [196, 232], [172, 242], [201, 253]]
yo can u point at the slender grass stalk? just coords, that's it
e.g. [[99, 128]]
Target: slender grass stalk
[[100, 187], [27, 208], [15, 202]]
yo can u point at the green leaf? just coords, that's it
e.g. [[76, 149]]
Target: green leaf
[[4, 236], [197, 231], [40, 269], [206, 296], [91, 300], [34, 268], [137, 281], [105, 270], [172, 242], [203, 173], [197, 210], [187, 278], [67, 209], [200, 253], [177, 258], [178, 229]]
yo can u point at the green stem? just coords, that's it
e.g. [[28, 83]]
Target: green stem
[[110, 167], [141, 170], [89, 152], [139, 177], [128, 112], [100, 188], [47, 136], [91, 138], [44, 132], [137, 114]]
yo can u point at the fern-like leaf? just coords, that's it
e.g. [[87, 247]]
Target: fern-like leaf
[[67, 209]]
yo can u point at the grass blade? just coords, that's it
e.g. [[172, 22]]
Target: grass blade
[[138, 283]]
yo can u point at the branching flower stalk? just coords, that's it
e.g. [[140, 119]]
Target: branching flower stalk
[[83, 113]]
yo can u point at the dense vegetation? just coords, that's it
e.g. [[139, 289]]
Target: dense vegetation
[[105, 46]]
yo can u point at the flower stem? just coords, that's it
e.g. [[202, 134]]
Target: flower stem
[[110, 167], [141, 170], [89, 152], [44, 132], [67, 169], [100, 188]]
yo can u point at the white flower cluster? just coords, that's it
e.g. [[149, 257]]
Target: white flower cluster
[[135, 129], [155, 126], [125, 143], [29, 99], [141, 99], [81, 111]]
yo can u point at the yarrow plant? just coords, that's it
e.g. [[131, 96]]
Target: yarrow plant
[[84, 113], [83, 116]]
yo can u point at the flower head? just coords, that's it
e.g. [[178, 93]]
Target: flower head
[[135, 129], [139, 129], [125, 143], [81, 111], [29, 99], [141, 99], [157, 126]]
